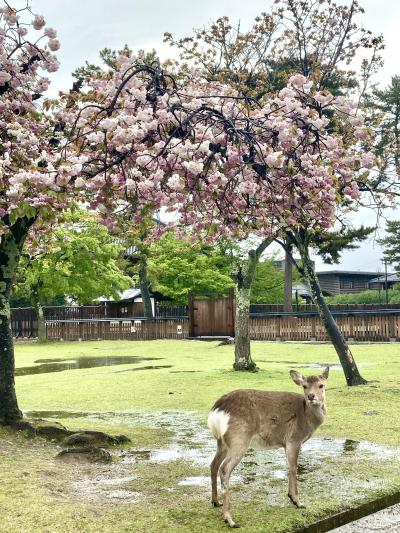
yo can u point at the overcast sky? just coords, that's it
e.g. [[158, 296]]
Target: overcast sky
[[86, 26]]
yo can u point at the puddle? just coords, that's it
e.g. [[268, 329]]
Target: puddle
[[325, 461], [202, 481], [299, 364], [185, 371], [154, 367], [45, 366], [322, 365]]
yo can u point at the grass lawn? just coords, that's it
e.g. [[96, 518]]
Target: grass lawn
[[160, 400]]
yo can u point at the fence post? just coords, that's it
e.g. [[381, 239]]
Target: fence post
[[313, 327], [278, 328], [191, 314], [80, 331], [351, 326], [233, 310], [392, 328]]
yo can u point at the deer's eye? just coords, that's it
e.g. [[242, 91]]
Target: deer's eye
[[304, 386], [321, 386]]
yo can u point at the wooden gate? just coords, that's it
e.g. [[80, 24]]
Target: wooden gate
[[212, 314]]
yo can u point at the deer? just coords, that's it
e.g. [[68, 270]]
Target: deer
[[249, 418]]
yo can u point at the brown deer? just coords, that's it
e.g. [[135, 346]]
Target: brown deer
[[252, 418]]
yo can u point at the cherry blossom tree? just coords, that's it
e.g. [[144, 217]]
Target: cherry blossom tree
[[135, 140], [26, 51], [286, 173]]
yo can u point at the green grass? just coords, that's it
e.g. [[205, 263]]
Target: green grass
[[40, 493]]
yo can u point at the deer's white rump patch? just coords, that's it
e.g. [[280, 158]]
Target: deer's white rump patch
[[218, 423]]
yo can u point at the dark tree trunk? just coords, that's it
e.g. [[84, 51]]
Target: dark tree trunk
[[243, 360], [287, 304], [347, 361], [144, 288], [10, 251]]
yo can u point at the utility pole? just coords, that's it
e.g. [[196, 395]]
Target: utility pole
[[386, 282]]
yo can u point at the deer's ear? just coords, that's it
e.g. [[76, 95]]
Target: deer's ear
[[325, 373], [297, 377]]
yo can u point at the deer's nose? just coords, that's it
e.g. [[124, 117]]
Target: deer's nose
[[311, 396]]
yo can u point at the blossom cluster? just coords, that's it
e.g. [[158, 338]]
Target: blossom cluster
[[25, 57], [205, 154], [134, 138]]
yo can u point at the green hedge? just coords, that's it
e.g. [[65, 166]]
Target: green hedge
[[366, 297]]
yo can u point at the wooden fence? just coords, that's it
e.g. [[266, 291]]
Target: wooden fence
[[359, 323], [370, 327], [118, 329], [24, 322]]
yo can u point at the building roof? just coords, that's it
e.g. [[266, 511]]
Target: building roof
[[126, 296], [393, 277], [129, 294], [346, 273]]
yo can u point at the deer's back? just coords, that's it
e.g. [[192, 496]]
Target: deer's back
[[270, 418]]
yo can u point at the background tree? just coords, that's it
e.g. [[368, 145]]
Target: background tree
[[177, 266], [268, 283], [78, 259], [391, 243], [137, 249], [383, 111]]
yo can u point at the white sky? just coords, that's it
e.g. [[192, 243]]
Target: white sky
[[86, 26]]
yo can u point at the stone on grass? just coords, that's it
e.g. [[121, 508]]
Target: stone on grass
[[43, 428], [86, 454], [227, 341], [94, 437]]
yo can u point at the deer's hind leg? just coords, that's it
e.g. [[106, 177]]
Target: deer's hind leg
[[215, 464], [236, 451]]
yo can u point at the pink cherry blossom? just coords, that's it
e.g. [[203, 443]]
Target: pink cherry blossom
[[54, 44], [4, 77], [38, 22], [50, 32]]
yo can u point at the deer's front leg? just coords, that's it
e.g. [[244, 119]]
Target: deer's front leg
[[292, 454]]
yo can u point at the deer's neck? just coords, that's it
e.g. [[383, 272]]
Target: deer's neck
[[315, 415]]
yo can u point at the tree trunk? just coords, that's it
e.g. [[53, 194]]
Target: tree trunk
[[287, 304], [42, 337], [10, 251], [144, 288], [347, 361], [243, 360]]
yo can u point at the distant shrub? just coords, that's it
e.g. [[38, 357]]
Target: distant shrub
[[365, 297]]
